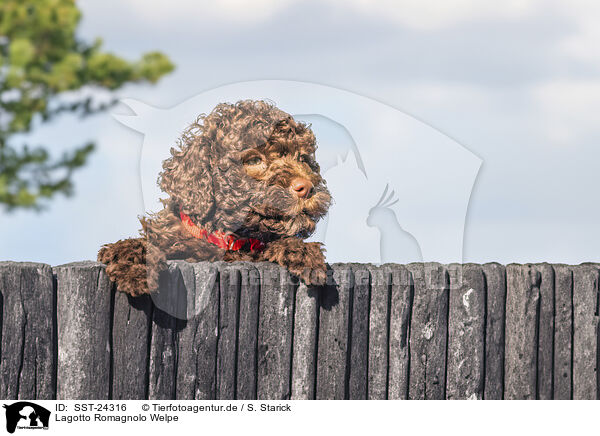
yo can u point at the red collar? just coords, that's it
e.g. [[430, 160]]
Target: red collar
[[220, 239]]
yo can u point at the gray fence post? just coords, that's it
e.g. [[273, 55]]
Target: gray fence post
[[466, 333], [522, 314], [132, 326], [27, 365], [84, 320], [563, 332], [585, 336], [248, 333], [275, 324], [358, 334], [429, 332], [379, 328], [401, 301], [495, 283], [334, 323], [304, 353]]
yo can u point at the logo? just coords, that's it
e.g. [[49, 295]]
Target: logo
[[26, 415]]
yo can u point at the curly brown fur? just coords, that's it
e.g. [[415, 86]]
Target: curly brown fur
[[231, 173], [130, 265]]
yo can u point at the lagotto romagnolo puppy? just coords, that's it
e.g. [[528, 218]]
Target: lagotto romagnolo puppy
[[243, 184]]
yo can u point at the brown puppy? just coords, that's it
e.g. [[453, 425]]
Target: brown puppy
[[243, 185]]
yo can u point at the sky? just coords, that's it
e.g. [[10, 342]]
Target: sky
[[516, 84]]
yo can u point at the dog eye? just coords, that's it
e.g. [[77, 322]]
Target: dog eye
[[254, 161]]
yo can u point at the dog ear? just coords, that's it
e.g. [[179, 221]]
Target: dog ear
[[187, 174]]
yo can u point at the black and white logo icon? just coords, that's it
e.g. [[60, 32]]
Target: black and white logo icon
[[26, 415]]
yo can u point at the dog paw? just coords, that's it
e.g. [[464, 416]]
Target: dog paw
[[303, 259], [314, 276], [131, 279], [127, 265]]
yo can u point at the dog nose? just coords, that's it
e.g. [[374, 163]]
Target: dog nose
[[301, 187]]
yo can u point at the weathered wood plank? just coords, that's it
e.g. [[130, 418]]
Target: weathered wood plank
[[400, 313], [197, 336], [132, 327], [248, 333], [563, 332], [169, 302], [495, 280], [275, 329], [172, 296], [466, 333], [229, 293], [206, 336], [359, 334], [304, 352], [379, 327], [27, 365], [585, 338], [161, 375], [545, 353], [429, 332], [84, 322], [334, 319], [522, 315], [185, 329]]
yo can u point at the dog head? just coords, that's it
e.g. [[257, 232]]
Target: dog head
[[247, 168]]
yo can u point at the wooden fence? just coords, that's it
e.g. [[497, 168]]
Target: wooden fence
[[245, 331]]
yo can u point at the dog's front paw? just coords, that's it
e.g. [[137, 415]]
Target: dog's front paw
[[315, 269], [130, 267], [303, 259], [313, 276]]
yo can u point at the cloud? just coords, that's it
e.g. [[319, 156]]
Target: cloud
[[423, 14], [186, 11], [344, 43], [435, 14], [568, 110], [582, 43]]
